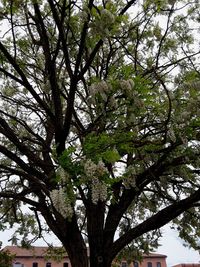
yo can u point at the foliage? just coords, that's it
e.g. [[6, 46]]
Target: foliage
[[5, 258], [99, 124], [55, 254]]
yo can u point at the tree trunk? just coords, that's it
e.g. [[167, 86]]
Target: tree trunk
[[78, 259], [75, 246], [95, 227], [99, 261]]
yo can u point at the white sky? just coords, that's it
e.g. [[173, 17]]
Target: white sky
[[172, 247]]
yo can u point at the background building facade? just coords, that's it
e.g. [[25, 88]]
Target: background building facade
[[37, 257], [41, 257]]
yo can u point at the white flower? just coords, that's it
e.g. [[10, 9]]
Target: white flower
[[127, 86], [100, 170], [90, 168], [131, 82], [99, 191], [101, 88], [172, 135], [63, 174], [92, 90], [61, 202], [94, 170], [185, 115]]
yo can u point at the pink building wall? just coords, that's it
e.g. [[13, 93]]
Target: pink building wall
[[37, 257], [151, 260], [28, 262], [154, 260], [187, 265]]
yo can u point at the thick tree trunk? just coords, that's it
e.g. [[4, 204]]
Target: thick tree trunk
[[78, 259], [95, 227], [75, 245], [99, 261], [70, 236]]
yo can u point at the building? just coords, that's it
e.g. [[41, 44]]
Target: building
[[43, 257], [150, 260], [187, 265], [38, 257]]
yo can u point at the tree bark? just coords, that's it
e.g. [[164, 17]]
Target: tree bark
[[95, 225]]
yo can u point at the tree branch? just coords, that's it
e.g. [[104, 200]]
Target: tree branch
[[26, 83], [156, 221]]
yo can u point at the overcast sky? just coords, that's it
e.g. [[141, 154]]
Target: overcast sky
[[172, 247]]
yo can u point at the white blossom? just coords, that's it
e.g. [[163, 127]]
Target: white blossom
[[127, 86], [92, 90], [131, 82], [101, 88], [172, 135], [101, 169], [99, 190], [94, 170], [90, 168], [98, 187], [63, 174], [185, 115], [61, 202]]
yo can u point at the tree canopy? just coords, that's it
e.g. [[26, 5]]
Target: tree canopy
[[99, 123], [5, 258]]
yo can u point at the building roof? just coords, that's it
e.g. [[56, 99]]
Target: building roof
[[40, 252], [187, 265], [37, 252], [154, 255]]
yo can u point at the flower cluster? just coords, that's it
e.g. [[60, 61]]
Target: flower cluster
[[172, 135], [127, 87], [104, 23], [61, 202], [63, 175], [105, 89], [101, 88], [94, 173], [94, 170], [99, 190]]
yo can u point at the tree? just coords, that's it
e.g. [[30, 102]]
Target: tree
[[99, 123], [6, 258]]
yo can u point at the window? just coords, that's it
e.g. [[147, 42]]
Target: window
[[17, 264], [65, 264], [124, 264], [48, 264], [149, 264], [158, 264], [35, 264], [135, 264]]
